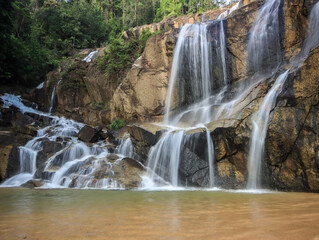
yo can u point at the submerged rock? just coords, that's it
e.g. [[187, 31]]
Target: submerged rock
[[128, 172], [32, 184]]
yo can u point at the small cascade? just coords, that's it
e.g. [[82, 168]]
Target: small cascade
[[40, 85], [229, 11], [264, 50], [9, 99], [126, 148], [89, 57], [261, 118], [28, 166], [165, 156], [166, 153], [222, 41], [73, 164], [52, 97], [260, 125]]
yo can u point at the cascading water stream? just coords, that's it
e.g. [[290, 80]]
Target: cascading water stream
[[74, 164], [192, 44], [89, 57], [210, 149], [223, 50], [52, 97], [126, 148], [260, 126]]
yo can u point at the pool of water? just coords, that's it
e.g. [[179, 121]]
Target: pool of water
[[99, 214]]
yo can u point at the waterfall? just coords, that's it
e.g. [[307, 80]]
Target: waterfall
[[199, 50], [264, 40], [52, 97], [210, 148], [264, 53], [199, 79], [223, 50], [312, 39], [260, 125], [199, 69]]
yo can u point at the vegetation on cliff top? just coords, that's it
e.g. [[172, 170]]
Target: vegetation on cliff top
[[35, 34], [120, 55]]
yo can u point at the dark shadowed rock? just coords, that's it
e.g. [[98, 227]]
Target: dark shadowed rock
[[143, 138], [193, 170], [89, 134], [13, 163]]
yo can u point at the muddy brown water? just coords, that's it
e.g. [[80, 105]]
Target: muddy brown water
[[69, 214]]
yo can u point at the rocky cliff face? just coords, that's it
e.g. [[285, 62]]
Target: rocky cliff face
[[141, 95], [78, 90]]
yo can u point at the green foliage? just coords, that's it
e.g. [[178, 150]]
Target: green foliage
[[36, 34], [77, 24], [120, 55], [143, 38], [117, 124]]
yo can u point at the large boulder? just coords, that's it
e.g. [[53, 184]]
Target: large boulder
[[144, 137], [89, 134]]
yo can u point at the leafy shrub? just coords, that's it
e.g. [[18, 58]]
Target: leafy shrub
[[120, 55], [117, 124]]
